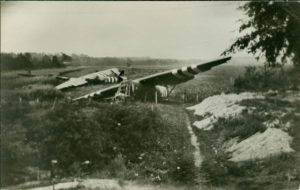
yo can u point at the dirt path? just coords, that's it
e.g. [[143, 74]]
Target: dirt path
[[197, 154]]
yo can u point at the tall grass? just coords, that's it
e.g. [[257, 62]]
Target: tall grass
[[129, 141]]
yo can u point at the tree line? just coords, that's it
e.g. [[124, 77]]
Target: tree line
[[29, 61]]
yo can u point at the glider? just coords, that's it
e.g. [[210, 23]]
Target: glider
[[107, 76], [161, 84]]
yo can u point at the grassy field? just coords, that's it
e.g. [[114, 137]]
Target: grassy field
[[40, 124], [135, 141], [217, 80], [140, 141]]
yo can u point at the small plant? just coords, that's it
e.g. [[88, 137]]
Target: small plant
[[117, 167], [184, 170]]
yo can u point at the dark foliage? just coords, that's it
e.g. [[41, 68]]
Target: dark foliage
[[29, 61], [272, 30], [267, 104], [121, 61], [256, 79], [243, 127]]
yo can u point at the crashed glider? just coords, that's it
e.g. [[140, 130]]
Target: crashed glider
[[156, 84], [107, 76]]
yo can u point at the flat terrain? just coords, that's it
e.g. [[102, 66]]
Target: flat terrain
[[133, 141], [218, 79], [32, 105]]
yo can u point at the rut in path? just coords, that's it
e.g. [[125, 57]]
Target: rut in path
[[197, 155]]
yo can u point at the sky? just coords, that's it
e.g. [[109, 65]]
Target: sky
[[177, 30]]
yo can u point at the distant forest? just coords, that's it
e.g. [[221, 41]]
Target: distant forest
[[31, 61]]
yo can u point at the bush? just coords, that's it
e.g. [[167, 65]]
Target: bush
[[266, 104], [242, 127], [263, 79]]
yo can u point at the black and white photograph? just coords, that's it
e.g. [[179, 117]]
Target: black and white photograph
[[150, 95]]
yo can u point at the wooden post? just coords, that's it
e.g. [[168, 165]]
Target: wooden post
[[155, 97], [197, 98], [128, 88]]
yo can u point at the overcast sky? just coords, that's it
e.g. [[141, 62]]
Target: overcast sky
[[156, 29]]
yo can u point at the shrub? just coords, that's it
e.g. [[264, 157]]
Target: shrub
[[263, 79], [266, 104], [242, 127]]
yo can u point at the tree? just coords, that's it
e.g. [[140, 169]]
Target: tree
[[46, 61], [128, 62], [66, 57], [271, 31], [28, 62], [55, 62]]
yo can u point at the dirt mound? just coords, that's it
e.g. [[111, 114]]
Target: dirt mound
[[261, 145], [100, 183], [65, 185], [273, 141], [107, 184], [224, 105]]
